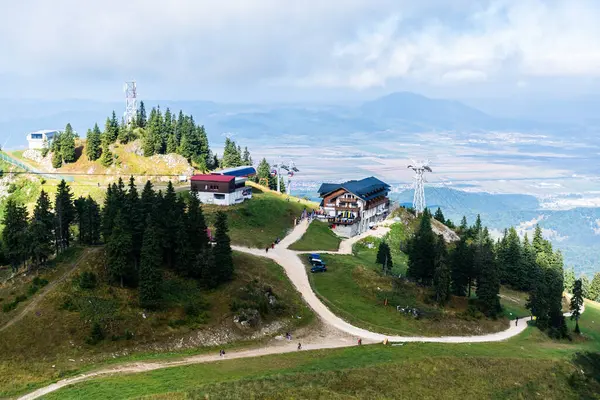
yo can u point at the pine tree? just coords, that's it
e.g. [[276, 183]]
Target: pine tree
[[585, 286], [463, 225], [158, 134], [594, 293], [56, 158], [150, 263], [196, 225], [246, 158], [222, 250], [569, 279], [171, 144], [150, 138], [488, 282], [93, 148], [439, 216], [118, 251], [528, 263], [441, 276], [123, 132], [577, 303], [67, 145], [206, 267], [421, 252], [512, 261], [109, 136], [133, 211], [231, 155], [263, 171], [14, 234], [384, 257], [41, 230], [94, 221], [106, 159], [184, 253], [141, 116], [461, 263], [147, 201], [282, 185], [64, 216], [169, 218]]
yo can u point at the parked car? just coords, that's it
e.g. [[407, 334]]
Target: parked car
[[314, 257], [318, 268]]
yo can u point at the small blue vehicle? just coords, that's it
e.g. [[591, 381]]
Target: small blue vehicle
[[314, 258], [320, 267]]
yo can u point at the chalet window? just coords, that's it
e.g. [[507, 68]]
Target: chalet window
[[219, 196]]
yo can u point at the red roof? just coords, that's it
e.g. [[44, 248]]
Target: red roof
[[212, 178]]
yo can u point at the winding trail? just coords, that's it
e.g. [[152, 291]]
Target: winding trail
[[343, 334], [46, 289]]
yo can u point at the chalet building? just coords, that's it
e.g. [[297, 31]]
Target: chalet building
[[225, 187], [353, 207]]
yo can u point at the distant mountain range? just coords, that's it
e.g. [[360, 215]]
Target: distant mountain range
[[398, 112]]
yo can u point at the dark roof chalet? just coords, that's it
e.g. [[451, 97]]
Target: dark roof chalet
[[367, 189]]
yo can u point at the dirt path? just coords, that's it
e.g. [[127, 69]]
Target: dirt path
[[46, 289]]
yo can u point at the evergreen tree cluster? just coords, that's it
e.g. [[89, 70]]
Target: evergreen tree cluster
[[32, 241], [233, 156], [144, 232], [589, 290], [475, 261], [263, 171], [63, 147]]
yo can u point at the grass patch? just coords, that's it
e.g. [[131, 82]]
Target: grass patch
[[258, 222], [317, 237], [527, 366], [59, 331], [354, 289]]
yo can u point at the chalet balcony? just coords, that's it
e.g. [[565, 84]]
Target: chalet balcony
[[339, 209], [343, 221]]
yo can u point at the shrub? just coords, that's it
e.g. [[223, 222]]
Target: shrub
[[12, 188], [45, 151], [32, 290], [87, 280], [20, 298], [96, 335], [9, 306], [68, 304], [41, 282]]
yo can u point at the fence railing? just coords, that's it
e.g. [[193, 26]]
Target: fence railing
[[17, 163]]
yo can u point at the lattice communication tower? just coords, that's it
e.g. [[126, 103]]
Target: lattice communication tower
[[130, 101]]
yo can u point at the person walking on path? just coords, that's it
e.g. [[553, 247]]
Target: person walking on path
[[272, 245], [359, 341], [299, 346], [516, 321]]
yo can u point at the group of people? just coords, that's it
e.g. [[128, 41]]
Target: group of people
[[272, 246]]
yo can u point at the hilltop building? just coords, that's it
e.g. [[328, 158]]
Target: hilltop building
[[41, 139], [353, 207], [225, 187]]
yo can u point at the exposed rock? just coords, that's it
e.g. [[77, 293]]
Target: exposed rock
[[441, 229], [33, 154], [248, 317]]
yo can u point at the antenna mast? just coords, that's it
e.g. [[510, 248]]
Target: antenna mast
[[419, 198], [130, 101]]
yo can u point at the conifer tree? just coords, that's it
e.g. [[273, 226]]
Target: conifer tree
[[147, 201], [463, 225], [569, 279], [64, 216], [106, 159], [222, 249], [41, 230], [461, 262], [169, 218], [594, 293], [14, 234], [439, 215], [67, 145], [150, 263], [246, 158], [384, 257], [141, 116], [196, 225], [488, 282], [93, 147], [263, 171], [109, 136], [56, 156], [171, 144], [421, 254], [585, 286], [441, 276], [184, 253], [206, 268], [133, 211], [118, 251], [576, 303]]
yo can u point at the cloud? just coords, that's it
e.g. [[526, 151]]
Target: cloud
[[356, 44]]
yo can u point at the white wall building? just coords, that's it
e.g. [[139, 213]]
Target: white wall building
[[41, 139]]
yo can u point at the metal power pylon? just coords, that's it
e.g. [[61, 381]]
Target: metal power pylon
[[419, 186], [130, 101]]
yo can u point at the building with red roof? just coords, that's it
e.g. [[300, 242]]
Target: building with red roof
[[223, 190]]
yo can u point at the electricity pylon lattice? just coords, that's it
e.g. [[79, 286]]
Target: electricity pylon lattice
[[130, 101], [419, 186]]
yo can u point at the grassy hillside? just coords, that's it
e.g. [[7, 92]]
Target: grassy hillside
[[527, 366], [258, 222], [55, 338], [318, 236]]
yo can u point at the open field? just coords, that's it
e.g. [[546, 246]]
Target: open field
[[53, 340], [527, 366], [317, 237]]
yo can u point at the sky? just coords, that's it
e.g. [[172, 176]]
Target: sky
[[273, 50]]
